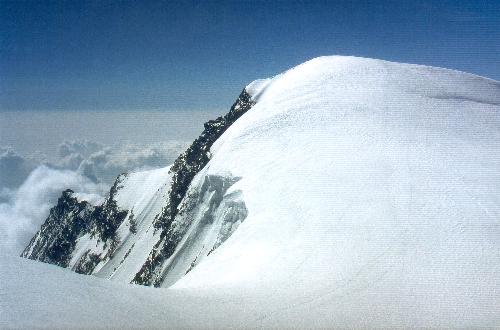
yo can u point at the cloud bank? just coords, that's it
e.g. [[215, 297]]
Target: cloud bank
[[28, 189], [14, 169], [27, 207]]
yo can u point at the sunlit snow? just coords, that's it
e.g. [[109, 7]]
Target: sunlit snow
[[373, 198]]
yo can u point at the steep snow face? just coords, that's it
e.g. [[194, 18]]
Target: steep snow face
[[111, 240], [207, 217], [177, 225], [177, 218], [369, 179], [143, 194]]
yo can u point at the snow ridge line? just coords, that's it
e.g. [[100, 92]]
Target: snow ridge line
[[184, 169]]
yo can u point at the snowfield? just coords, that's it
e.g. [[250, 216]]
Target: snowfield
[[372, 199], [143, 194]]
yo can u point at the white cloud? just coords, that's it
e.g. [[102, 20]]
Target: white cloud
[[28, 207], [14, 169], [83, 147], [96, 161], [28, 190], [126, 141], [105, 164]]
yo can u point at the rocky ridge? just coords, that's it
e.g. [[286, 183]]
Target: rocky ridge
[[83, 237], [71, 219]]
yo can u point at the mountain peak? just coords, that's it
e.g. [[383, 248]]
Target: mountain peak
[[363, 182]]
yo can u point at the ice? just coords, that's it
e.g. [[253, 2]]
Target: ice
[[209, 215]]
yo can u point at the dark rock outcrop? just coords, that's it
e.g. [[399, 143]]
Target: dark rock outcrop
[[190, 162], [185, 167], [56, 239], [70, 219]]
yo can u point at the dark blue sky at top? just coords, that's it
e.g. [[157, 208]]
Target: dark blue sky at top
[[127, 55]]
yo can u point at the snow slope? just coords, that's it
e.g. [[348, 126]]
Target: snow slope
[[363, 175], [111, 240], [370, 192], [143, 194]]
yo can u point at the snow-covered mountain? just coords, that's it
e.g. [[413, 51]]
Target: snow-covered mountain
[[366, 189], [153, 227], [98, 239]]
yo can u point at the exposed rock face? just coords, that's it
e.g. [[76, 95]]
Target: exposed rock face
[[193, 222], [108, 217], [185, 167], [57, 237], [207, 216], [189, 163], [71, 219]]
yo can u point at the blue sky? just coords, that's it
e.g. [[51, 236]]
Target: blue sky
[[174, 56]]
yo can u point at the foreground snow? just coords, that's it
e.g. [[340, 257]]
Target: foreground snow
[[371, 194], [37, 295]]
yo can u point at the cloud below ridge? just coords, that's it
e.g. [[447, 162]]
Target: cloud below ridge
[[29, 188], [28, 206]]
